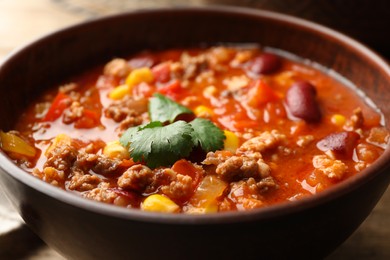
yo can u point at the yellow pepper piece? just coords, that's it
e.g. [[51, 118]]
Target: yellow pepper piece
[[231, 141], [203, 111], [139, 75], [13, 143], [115, 150], [159, 203], [338, 119], [119, 92]]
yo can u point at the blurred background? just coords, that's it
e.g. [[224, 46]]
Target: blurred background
[[22, 21]]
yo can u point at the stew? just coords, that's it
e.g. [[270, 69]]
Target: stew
[[198, 131]]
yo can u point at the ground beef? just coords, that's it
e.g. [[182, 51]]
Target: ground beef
[[266, 140], [100, 164], [189, 66], [356, 121], [50, 175], [138, 177], [127, 111], [243, 196], [117, 67], [233, 167], [83, 182], [102, 193], [242, 167], [180, 188], [75, 112], [261, 186], [379, 136], [61, 158], [332, 168]]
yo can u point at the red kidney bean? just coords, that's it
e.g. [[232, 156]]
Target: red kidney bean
[[301, 102], [266, 63], [341, 143]]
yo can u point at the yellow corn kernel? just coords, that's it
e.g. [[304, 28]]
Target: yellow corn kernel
[[231, 141], [203, 111], [115, 150], [159, 203], [119, 92], [338, 119], [13, 143], [59, 140], [139, 75]]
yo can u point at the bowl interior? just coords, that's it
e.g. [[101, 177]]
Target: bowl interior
[[49, 61]]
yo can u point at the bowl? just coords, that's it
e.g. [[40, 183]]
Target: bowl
[[78, 228]]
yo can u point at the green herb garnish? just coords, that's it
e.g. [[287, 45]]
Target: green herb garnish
[[162, 145], [164, 109]]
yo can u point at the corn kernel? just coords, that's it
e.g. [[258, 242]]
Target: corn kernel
[[231, 141], [115, 150], [13, 143], [338, 119], [139, 75], [159, 203], [203, 111], [119, 92], [59, 140]]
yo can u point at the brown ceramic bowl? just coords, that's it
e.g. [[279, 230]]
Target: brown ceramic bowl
[[83, 229]]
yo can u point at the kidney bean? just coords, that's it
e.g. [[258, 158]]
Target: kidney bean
[[301, 101], [341, 143], [266, 63]]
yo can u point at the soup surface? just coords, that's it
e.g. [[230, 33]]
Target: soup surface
[[198, 131]]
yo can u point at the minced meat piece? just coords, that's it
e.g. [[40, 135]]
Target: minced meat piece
[[50, 175], [242, 167], [261, 186], [138, 177], [215, 158], [378, 136], [117, 67], [356, 121], [189, 66], [181, 187], [266, 140], [243, 197], [61, 157], [100, 164], [74, 112], [83, 182], [102, 193], [128, 107], [332, 168]]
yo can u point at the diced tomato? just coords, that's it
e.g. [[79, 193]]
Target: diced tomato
[[60, 103], [162, 72], [185, 167], [172, 89], [261, 94], [126, 163], [89, 119]]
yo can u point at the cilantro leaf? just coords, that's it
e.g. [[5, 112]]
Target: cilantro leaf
[[160, 145], [207, 135], [128, 134], [164, 109]]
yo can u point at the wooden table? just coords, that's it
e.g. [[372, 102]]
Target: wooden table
[[22, 21]]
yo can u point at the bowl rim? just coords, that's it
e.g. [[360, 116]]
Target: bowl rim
[[261, 214]]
